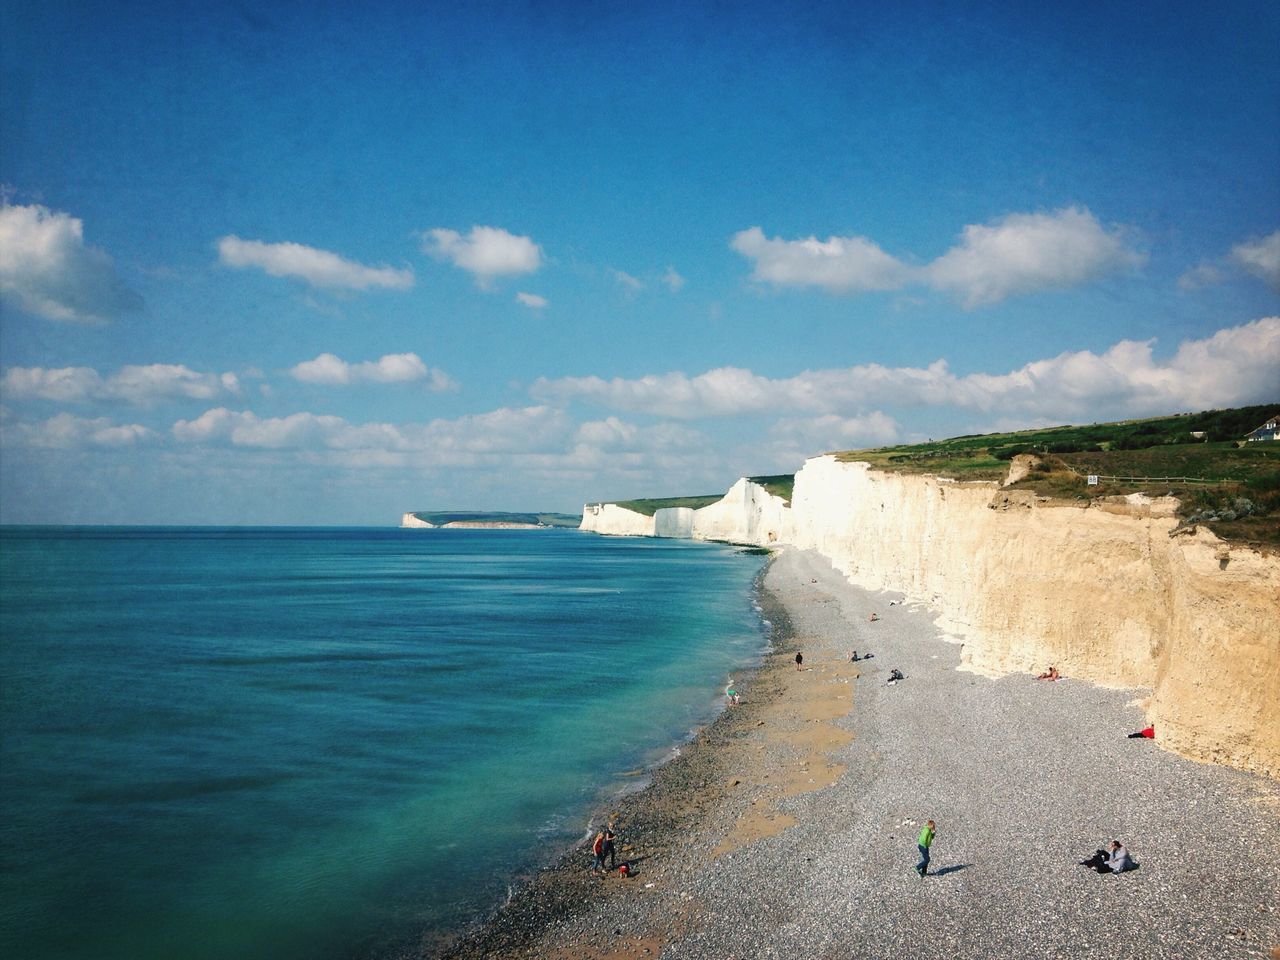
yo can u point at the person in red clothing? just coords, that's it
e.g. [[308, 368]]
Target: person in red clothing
[[1147, 733], [597, 848]]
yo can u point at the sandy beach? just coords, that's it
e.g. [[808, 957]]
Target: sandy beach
[[787, 829]]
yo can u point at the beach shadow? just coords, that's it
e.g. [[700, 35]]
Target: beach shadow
[[951, 869]]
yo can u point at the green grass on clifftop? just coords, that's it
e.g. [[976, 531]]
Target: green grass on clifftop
[[652, 505], [780, 485], [1232, 487]]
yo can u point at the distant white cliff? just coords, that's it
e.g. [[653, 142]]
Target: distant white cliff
[[748, 514]]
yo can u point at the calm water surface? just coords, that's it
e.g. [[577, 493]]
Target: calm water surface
[[222, 743]]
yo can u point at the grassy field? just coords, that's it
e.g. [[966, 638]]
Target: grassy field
[[1233, 488], [652, 505], [780, 485]]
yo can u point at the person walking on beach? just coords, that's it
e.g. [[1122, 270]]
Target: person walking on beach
[[924, 842], [799, 660]]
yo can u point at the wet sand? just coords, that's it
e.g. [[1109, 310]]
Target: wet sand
[[787, 828]]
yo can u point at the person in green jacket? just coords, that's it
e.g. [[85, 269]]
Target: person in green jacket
[[924, 843]]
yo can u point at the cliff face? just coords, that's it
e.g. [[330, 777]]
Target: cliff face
[[611, 519], [409, 520], [748, 513], [1102, 592]]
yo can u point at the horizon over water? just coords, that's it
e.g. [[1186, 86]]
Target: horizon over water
[[329, 742]]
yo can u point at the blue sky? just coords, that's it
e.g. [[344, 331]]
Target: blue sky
[[306, 263]]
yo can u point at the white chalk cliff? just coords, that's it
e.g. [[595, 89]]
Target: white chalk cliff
[[611, 519], [1105, 590]]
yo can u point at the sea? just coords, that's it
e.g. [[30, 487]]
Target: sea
[[330, 742]]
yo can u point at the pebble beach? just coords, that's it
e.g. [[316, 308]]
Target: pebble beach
[[787, 827]]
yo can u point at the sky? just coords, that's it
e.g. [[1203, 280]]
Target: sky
[[316, 263]]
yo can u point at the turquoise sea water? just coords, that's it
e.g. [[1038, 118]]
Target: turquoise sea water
[[318, 743]]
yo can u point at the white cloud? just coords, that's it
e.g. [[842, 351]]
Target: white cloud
[[837, 264], [47, 269], [1261, 258], [1018, 254], [1233, 367], [137, 384], [531, 300], [320, 268], [673, 280], [1201, 275], [485, 252], [831, 432], [1026, 252], [66, 432], [62, 384], [608, 432], [392, 368], [626, 280], [495, 433]]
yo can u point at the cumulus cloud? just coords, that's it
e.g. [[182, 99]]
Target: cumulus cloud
[[66, 432], [142, 385], [1260, 258], [609, 432], [392, 368], [832, 432], [320, 268], [507, 430], [531, 300], [1026, 252], [673, 280], [485, 252], [46, 268], [1234, 366], [1018, 254], [837, 264]]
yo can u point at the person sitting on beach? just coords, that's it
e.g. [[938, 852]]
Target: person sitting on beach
[[1146, 733], [1116, 859], [1119, 861], [1050, 674], [895, 675], [854, 658], [873, 618]]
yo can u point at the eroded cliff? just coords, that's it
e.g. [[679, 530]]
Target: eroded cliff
[[1103, 591], [613, 520]]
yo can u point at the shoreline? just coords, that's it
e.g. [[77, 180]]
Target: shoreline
[[651, 821], [786, 829]]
